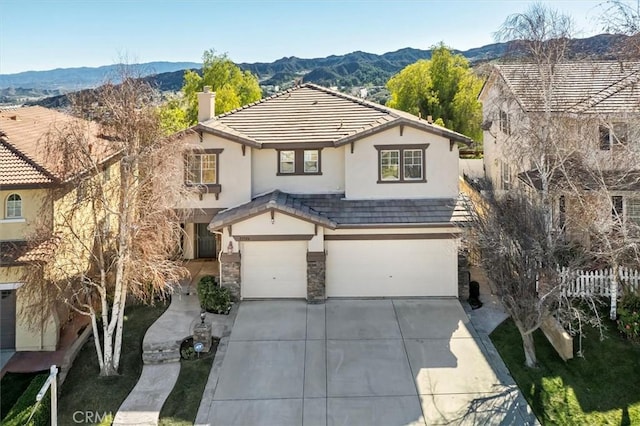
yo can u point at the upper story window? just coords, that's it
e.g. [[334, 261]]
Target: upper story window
[[625, 208], [505, 122], [633, 210], [299, 162], [203, 168], [616, 134], [505, 175], [401, 163], [14, 207]]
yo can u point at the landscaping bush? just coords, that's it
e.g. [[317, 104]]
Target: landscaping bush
[[213, 298], [19, 414], [629, 316]]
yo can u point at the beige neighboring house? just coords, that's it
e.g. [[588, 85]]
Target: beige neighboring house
[[315, 194], [598, 102], [27, 178]]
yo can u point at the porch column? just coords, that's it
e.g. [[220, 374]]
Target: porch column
[[316, 267], [230, 270]]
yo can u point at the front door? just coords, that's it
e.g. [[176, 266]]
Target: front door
[[206, 242]]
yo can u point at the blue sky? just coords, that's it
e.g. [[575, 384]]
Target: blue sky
[[47, 34]]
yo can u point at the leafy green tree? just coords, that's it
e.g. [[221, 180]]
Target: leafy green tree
[[233, 88], [173, 117], [444, 87]]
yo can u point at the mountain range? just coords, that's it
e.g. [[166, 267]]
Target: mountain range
[[346, 71]]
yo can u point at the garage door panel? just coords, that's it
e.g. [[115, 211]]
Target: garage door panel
[[274, 269], [391, 268]]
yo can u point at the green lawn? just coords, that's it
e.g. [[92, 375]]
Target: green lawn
[[603, 388], [85, 391], [181, 406], [12, 386]]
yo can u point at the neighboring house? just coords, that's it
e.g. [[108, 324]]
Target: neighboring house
[[29, 176], [595, 109], [312, 194]]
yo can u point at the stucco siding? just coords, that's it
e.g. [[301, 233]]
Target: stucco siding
[[265, 174], [32, 202], [282, 224], [234, 173], [440, 169]]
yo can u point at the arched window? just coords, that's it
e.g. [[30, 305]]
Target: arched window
[[14, 206]]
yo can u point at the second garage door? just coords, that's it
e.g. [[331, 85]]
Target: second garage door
[[391, 268], [274, 269]]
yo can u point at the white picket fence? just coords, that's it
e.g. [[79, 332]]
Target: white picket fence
[[598, 283]]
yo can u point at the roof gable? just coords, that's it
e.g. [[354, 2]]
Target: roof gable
[[315, 115]]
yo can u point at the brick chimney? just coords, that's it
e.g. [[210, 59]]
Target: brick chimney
[[206, 104]]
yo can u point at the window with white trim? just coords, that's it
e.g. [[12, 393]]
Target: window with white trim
[[13, 207], [633, 210], [505, 122]]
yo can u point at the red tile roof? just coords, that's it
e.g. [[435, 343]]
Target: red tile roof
[[23, 136]]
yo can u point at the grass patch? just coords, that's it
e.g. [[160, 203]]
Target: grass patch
[[182, 405], [12, 386], [25, 410], [86, 392], [602, 388]]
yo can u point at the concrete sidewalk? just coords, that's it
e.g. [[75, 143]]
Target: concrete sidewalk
[[161, 350]]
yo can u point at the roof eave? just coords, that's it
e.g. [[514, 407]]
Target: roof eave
[[200, 127], [451, 136]]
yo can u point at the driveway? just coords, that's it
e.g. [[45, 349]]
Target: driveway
[[357, 362]]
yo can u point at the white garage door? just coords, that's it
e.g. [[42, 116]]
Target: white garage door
[[391, 268], [272, 269]]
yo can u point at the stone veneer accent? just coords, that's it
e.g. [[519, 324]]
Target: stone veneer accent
[[316, 266], [230, 279]]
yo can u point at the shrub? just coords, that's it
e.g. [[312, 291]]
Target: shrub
[[629, 316], [213, 298]]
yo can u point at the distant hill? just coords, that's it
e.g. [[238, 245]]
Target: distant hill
[[348, 71], [67, 79]]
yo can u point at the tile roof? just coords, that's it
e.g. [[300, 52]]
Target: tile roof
[[579, 87], [332, 210], [23, 134], [313, 114]]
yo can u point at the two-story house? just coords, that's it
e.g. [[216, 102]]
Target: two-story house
[[34, 190], [591, 113], [313, 194]]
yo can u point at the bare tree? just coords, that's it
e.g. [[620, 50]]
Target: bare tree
[[623, 17], [115, 231]]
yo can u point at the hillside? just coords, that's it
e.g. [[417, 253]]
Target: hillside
[[348, 71], [67, 79]]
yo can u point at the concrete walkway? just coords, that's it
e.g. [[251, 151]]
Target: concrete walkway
[[358, 362], [161, 350]]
